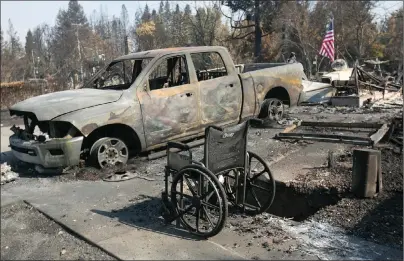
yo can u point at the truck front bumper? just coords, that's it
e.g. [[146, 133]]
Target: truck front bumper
[[54, 153]]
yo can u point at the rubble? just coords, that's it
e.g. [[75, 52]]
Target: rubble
[[7, 175], [395, 134], [380, 216], [352, 86], [336, 138]]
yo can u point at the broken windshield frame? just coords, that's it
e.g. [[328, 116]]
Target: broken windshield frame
[[118, 75]]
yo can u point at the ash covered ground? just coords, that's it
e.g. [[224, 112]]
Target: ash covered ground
[[378, 220], [26, 234]]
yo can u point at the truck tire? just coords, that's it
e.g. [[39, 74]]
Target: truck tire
[[272, 109], [109, 151]]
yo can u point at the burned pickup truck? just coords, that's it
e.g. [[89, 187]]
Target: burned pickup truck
[[142, 100]]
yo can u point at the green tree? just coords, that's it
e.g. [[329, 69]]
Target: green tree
[[146, 17], [167, 21], [160, 33], [15, 44], [205, 25], [394, 36], [259, 15], [124, 19], [70, 32], [29, 45]]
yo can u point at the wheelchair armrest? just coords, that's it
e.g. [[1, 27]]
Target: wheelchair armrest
[[255, 121], [178, 145], [216, 127]]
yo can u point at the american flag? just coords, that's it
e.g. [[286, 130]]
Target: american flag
[[327, 47]]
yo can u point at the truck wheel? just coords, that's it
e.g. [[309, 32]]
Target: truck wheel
[[109, 151], [273, 109]]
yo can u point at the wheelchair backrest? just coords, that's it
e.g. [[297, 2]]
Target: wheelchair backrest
[[226, 149], [176, 160]]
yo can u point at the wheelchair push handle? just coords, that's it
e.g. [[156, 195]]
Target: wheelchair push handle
[[216, 127], [177, 145]]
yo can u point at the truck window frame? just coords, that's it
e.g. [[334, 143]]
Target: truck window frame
[[165, 59], [227, 73]]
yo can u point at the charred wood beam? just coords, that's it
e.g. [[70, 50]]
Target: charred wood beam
[[355, 74], [290, 128], [377, 87], [364, 125], [396, 141], [376, 137], [325, 138], [320, 135]]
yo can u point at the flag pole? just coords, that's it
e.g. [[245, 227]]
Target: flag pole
[[335, 38]]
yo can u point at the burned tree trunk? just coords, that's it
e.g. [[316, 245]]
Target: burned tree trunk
[[258, 32]]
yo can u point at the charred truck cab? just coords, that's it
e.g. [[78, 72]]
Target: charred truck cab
[[142, 100]]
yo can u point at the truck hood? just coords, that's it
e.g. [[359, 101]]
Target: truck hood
[[48, 106]]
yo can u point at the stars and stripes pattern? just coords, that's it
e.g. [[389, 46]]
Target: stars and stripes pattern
[[327, 47]]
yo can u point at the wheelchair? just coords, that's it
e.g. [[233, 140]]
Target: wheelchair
[[201, 192]]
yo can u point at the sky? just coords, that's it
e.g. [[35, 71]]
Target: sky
[[26, 15]]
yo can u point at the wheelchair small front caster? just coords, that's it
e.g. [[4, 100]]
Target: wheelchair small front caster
[[166, 212]]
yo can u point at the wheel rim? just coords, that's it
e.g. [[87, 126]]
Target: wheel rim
[[260, 185], [201, 206], [275, 109], [112, 151]]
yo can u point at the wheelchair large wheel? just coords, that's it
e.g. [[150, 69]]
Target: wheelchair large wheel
[[260, 185], [199, 200]]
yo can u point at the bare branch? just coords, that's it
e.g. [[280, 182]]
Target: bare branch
[[244, 36], [243, 26]]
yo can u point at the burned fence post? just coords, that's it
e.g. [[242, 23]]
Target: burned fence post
[[355, 74], [331, 159], [366, 173]]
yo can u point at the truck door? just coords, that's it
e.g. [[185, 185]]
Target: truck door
[[220, 90], [170, 103]]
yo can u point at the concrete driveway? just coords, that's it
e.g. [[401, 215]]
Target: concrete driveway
[[123, 218]]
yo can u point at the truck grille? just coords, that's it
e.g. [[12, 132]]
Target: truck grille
[[25, 151]]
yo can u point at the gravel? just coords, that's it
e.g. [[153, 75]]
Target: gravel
[[26, 234]]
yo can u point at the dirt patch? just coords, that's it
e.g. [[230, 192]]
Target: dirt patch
[[392, 169], [300, 202], [339, 177], [27, 234], [263, 225], [379, 219], [266, 230]]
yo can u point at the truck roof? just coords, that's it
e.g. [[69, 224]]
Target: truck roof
[[159, 52]]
